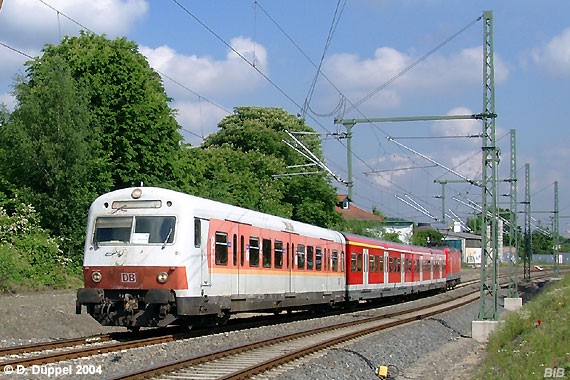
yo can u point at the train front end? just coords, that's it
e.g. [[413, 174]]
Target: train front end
[[133, 259]]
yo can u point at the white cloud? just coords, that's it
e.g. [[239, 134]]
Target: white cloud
[[395, 163], [198, 119], [467, 164], [27, 25], [554, 56], [458, 127], [436, 75], [30, 22], [206, 75]]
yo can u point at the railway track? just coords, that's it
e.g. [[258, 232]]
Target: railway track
[[251, 359], [106, 343]]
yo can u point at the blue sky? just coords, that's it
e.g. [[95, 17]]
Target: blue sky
[[373, 41]]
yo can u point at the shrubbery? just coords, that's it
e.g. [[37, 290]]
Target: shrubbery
[[29, 256]]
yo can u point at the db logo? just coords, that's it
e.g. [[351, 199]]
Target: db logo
[[128, 277]]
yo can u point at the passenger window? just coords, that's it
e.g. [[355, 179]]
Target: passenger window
[[197, 233], [372, 265], [391, 265], [253, 252], [318, 259], [266, 253], [235, 250], [342, 261], [221, 248], [310, 258], [359, 262], [241, 251], [300, 256], [335, 260], [278, 254], [398, 265], [288, 258], [381, 264], [353, 262]]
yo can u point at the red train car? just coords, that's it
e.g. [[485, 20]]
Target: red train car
[[453, 265], [376, 268]]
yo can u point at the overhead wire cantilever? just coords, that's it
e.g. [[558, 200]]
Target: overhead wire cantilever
[[300, 148]]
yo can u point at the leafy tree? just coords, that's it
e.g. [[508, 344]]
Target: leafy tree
[[50, 150], [234, 177], [542, 244], [92, 116], [126, 99], [312, 198], [427, 238], [391, 236]]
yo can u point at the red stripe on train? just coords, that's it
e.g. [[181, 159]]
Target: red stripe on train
[[135, 277]]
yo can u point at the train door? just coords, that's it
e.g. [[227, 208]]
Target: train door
[[365, 268], [201, 228], [385, 267], [290, 261], [298, 280], [238, 259], [402, 268]]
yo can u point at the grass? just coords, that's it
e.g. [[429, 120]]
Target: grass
[[523, 348]]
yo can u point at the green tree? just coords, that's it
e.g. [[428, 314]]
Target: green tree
[[50, 150], [311, 198], [542, 244], [391, 236], [126, 99], [427, 238], [232, 176]]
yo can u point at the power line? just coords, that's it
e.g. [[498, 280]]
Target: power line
[[16, 50], [66, 16], [159, 72], [229, 46], [412, 65], [332, 29], [193, 92]]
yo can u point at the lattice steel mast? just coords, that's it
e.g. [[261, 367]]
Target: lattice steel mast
[[527, 216], [489, 235], [514, 236], [556, 231]]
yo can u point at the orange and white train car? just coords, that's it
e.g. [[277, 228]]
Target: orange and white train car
[[155, 256]]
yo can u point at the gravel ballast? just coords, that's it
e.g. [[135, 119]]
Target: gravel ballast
[[434, 345]]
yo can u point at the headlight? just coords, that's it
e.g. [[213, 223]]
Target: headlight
[[136, 194], [162, 277], [96, 276]]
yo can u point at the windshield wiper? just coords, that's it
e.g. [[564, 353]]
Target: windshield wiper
[[167, 237]]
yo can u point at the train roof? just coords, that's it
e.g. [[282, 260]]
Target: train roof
[[391, 245], [207, 208]]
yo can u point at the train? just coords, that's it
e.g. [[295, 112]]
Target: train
[[155, 257]]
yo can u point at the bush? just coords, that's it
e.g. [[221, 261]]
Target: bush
[[29, 257]]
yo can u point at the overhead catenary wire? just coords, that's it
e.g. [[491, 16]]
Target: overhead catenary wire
[[412, 65], [292, 100], [16, 50], [332, 30], [334, 86]]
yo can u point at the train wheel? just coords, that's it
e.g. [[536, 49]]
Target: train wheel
[[223, 318], [134, 329]]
